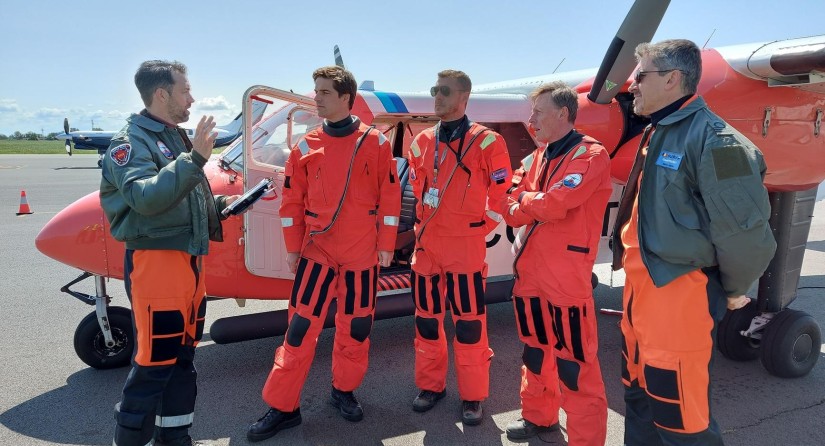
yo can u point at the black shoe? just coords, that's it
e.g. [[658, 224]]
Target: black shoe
[[471, 412], [181, 441], [347, 404], [272, 422], [426, 400], [522, 429]]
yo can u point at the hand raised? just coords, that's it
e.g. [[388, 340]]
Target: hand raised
[[205, 137]]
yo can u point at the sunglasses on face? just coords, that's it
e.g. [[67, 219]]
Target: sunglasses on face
[[445, 90], [641, 74]]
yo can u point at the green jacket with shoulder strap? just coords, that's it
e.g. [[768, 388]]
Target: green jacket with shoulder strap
[[154, 192], [702, 202]]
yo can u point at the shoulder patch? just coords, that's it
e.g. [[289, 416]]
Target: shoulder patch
[[121, 154], [165, 150], [489, 139], [580, 151], [572, 180]]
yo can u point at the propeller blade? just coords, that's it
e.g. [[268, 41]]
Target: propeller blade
[[69, 147], [639, 26], [66, 125], [339, 60]]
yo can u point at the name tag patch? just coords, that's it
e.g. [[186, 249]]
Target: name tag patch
[[499, 175], [165, 150], [669, 160]]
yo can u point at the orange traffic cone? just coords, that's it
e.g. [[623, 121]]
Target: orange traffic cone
[[24, 205]]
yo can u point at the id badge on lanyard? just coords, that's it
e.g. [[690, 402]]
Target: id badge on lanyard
[[431, 196]]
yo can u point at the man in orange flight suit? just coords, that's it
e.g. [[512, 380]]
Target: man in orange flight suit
[[558, 199], [340, 213], [457, 168], [692, 234]]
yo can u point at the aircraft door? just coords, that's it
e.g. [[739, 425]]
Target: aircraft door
[[267, 145]]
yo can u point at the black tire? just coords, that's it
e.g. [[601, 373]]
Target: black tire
[[594, 280], [91, 348], [99, 163], [791, 343], [730, 341]]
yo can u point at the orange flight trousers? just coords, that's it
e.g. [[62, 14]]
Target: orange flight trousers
[[450, 272], [668, 343], [325, 272]]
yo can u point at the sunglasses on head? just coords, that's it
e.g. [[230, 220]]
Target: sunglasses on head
[[641, 74], [445, 90]]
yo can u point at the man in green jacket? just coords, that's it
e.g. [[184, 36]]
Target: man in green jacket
[[692, 234], [158, 201]]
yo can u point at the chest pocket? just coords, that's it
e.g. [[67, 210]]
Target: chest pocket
[[469, 187], [316, 166], [364, 180]]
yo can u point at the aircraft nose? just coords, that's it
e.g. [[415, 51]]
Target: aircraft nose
[[76, 236]]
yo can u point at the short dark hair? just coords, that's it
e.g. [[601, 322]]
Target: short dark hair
[[342, 81], [463, 80], [675, 54], [562, 95], [154, 74]]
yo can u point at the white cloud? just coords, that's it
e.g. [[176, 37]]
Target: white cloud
[[9, 106], [218, 103], [49, 113]]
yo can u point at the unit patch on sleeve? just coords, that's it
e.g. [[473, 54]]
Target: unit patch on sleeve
[[499, 175], [121, 154], [165, 150], [572, 180]]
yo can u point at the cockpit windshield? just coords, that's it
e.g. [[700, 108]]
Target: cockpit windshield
[[273, 137]]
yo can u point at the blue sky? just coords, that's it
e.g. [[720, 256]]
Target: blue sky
[[76, 59]]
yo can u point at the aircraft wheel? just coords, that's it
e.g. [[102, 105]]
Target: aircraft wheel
[[91, 348], [100, 163], [730, 341], [594, 280], [791, 344]]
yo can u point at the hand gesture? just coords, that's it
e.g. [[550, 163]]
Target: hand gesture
[[204, 137]]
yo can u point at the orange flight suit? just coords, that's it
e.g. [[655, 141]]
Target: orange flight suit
[[339, 263], [666, 378], [448, 266], [562, 200]]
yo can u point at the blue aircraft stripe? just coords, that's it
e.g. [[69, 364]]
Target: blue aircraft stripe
[[391, 102]]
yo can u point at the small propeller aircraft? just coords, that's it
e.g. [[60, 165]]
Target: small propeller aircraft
[[99, 139], [774, 93]]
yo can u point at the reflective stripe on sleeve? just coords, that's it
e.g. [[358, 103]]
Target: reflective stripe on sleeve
[[416, 151], [489, 139], [390, 220], [174, 421], [286, 222], [495, 216], [303, 147]]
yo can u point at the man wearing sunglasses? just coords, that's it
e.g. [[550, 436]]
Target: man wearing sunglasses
[[692, 234], [457, 168], [558, 198]]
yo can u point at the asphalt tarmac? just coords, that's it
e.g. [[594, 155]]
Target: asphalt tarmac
[[49, 397]]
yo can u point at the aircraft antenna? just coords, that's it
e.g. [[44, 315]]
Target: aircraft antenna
[[711, 35], [557, 66]]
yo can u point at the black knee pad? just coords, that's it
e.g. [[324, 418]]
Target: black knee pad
[[360, 328], [298, 327], [427, 327], [468, 332], [533, 358], [569, 373]]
